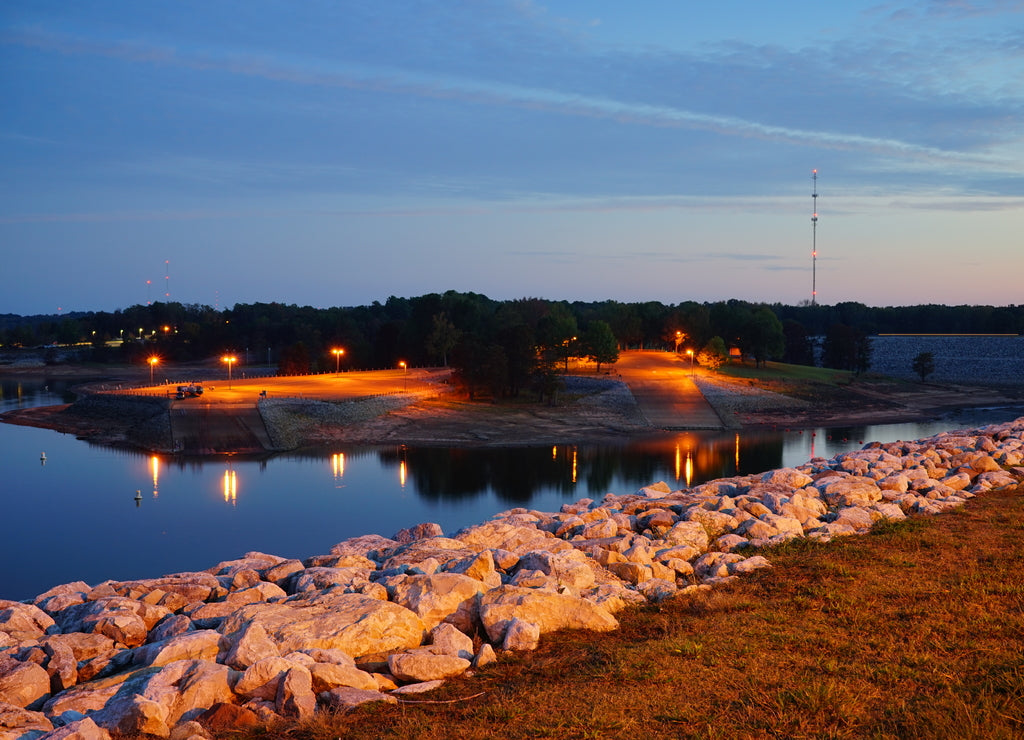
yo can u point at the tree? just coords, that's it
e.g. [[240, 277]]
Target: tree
[[442, 338], [924, 365], [764, 336], [799, 346], [714, 354], [846, 348], [294, 360], [599, 344]]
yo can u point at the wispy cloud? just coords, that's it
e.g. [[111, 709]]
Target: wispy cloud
[[330, 73]]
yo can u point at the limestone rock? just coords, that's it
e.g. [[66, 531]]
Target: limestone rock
[[16, 720], [790, 478], [153, 700], [848, 491], [549, 611], [442, 597], [570, 568], [250, 645], [521, 636], [61, 665], [422, 665], [260, 680], [81, 729], [22, 683], [485, 656], [170, 626], [295, 696], [504, 536], [23, 621], [419, 532], [372, 546], [199, 645], [344, 698], [357, 624], [447, 639], [327, 676]]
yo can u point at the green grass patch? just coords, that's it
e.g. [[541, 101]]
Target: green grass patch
[[782, 372]]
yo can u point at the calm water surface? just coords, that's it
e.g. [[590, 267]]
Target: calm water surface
[[75, 516]]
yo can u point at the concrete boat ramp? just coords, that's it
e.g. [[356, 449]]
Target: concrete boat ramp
[[199, 428]]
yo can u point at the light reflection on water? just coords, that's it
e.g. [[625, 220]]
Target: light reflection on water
[[76, 516]]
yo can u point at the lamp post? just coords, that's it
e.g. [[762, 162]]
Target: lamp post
[[230, 360], [690, 353], [679, 338], [405, 374], [152, 364], [337, 352]]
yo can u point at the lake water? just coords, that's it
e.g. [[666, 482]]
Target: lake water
[[76, 517]]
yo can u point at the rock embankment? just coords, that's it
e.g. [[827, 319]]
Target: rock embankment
[[377, 618], [289, 421]]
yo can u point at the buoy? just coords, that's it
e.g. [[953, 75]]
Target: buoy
[[138, 497], [42, 456]]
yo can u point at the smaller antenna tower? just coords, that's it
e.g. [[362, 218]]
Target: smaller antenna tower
[[814, 238], [167, 280]]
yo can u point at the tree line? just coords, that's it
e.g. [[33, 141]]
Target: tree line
[[497, 348]]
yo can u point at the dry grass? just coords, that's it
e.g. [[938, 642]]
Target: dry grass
[[913, 631]]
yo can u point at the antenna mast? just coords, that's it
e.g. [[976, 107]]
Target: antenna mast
[[814, 238], [167, 280]]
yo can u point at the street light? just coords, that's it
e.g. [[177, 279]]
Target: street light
[[230, 360], [405, 372], [679, 338], [690, 353], [152, 364], [337, 352]]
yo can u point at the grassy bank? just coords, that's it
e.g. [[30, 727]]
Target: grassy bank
[[913, 631]]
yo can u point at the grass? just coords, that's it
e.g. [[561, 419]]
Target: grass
[[781, 372], [913, 631]]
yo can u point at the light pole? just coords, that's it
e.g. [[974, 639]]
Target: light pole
[[230, 360], [405, 374], [690, 353], [152, 364], [337, 352], [679, 338]]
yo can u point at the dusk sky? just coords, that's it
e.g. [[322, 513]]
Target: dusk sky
[[334, 153]]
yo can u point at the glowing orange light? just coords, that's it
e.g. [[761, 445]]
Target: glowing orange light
[[152, 364], [338, 465], [154, 466], [230, 360], [574, 465], [230, 487]]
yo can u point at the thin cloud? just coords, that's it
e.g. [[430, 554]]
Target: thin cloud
[[382, 79]]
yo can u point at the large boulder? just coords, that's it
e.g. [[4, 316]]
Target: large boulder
[[154, 700], [853, 490], [441, 597], [549, 611], [357, 624], [198, 645], [22, 683], [18, 722], [424, 664], [23, 621]]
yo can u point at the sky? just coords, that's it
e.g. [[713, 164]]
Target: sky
[[336, 152]]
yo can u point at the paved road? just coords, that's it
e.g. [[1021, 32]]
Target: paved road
[[664, 389]]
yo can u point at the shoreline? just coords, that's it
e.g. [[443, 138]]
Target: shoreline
[[599, 411]]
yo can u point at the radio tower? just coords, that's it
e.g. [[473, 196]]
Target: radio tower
[[167, 280], [814, 238]]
